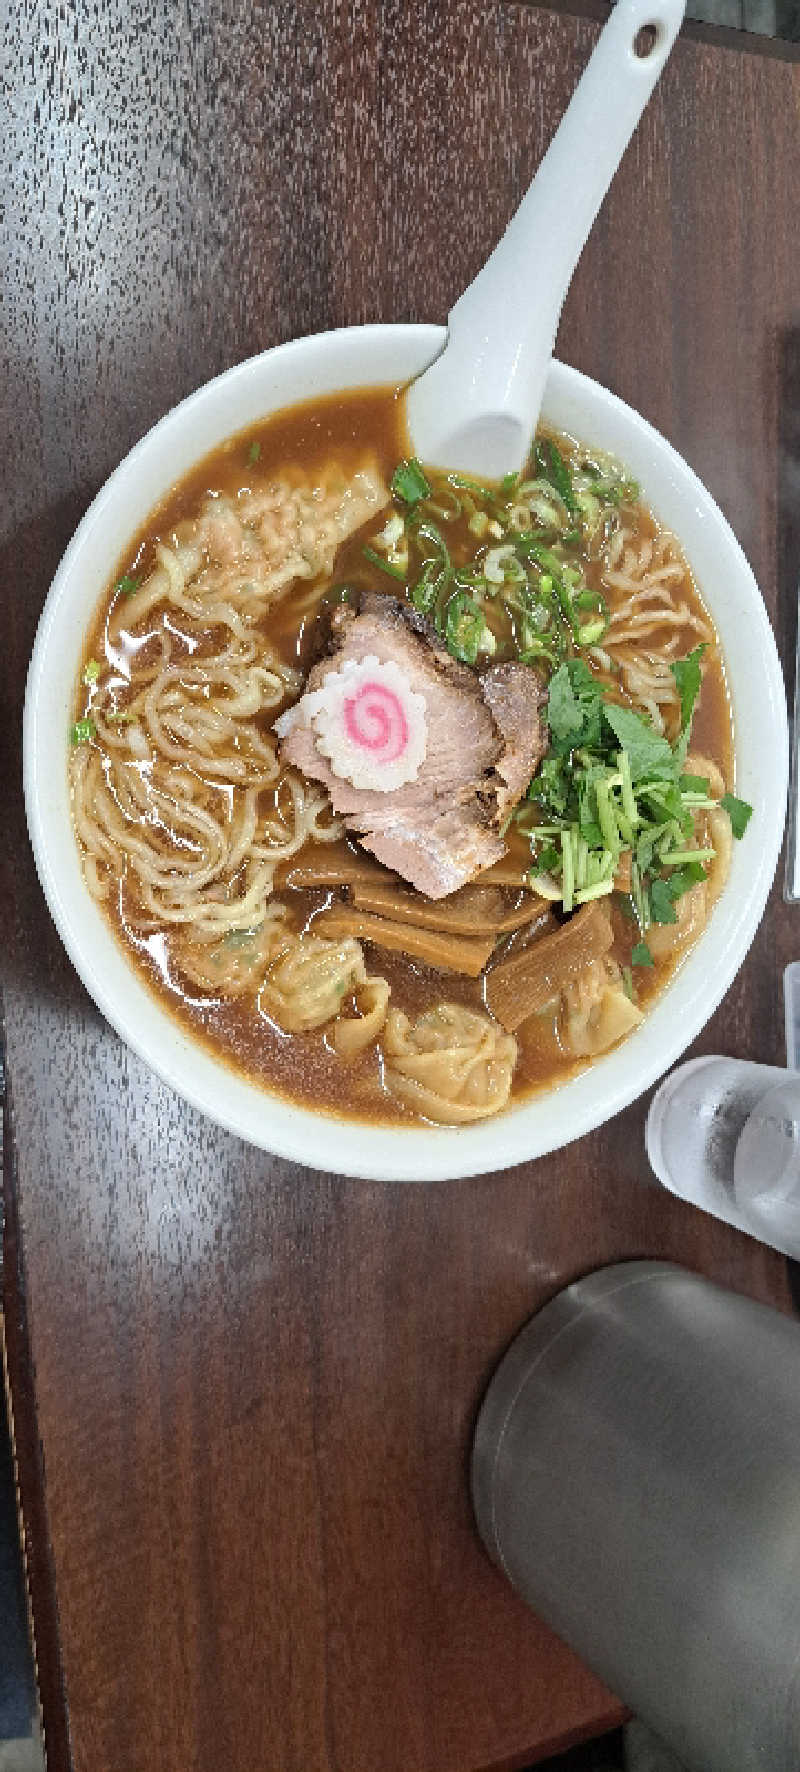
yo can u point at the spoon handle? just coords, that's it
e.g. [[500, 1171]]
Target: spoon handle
[[482, 395]]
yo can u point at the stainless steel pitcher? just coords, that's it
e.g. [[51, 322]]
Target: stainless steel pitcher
[[636, 1474]]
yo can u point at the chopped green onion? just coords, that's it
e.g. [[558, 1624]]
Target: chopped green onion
[[427, 588], [555, 469], [600, 890], [581, 861], [590, 509], [545, 558], [638, 896], [91, 671], [629, 805], [591, 632], [567, 870], [424, 531], [605, 816], [82, 731], [126, 586], [254, 451], [677, 857], [385, 565], [536, 650], [466, 484], [409, 483], [464, 626], [501, 565], [448, 514], [544, 886], [392, 531]]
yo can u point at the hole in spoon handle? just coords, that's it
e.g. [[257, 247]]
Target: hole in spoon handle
[[647, 39], [653, 26]]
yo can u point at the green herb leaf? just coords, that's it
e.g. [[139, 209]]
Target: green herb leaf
[[551, 786], [664, 802], [649, 755], [574, 707], [645, 846], [739, 812], [662, 908], [254, 451], [91, 672], [641, 955], [694, 784], [681, 879], [409, 483], [126, 586], [686, 672], [82, 731]]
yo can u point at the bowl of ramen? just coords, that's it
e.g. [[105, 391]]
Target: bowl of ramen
[[409, 827]]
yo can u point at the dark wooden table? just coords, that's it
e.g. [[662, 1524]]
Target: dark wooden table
[[244, 1393]]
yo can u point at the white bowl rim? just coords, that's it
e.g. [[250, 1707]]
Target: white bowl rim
[[538, 1124]]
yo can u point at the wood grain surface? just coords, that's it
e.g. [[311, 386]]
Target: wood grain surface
[[253, 1387]]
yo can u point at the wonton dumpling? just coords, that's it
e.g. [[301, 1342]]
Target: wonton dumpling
[[722, 841], [354, 1033], [231, 964], [595, 1010], [706, 768], [691, 913], [693, 908], [305, 984], [452, 1064]]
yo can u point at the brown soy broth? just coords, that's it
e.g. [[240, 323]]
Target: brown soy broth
[[342, 426], [348, 427]]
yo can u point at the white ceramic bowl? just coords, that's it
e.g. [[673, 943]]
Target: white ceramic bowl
[[359, 357]]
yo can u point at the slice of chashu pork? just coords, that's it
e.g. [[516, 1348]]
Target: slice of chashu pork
[[481, 737]]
